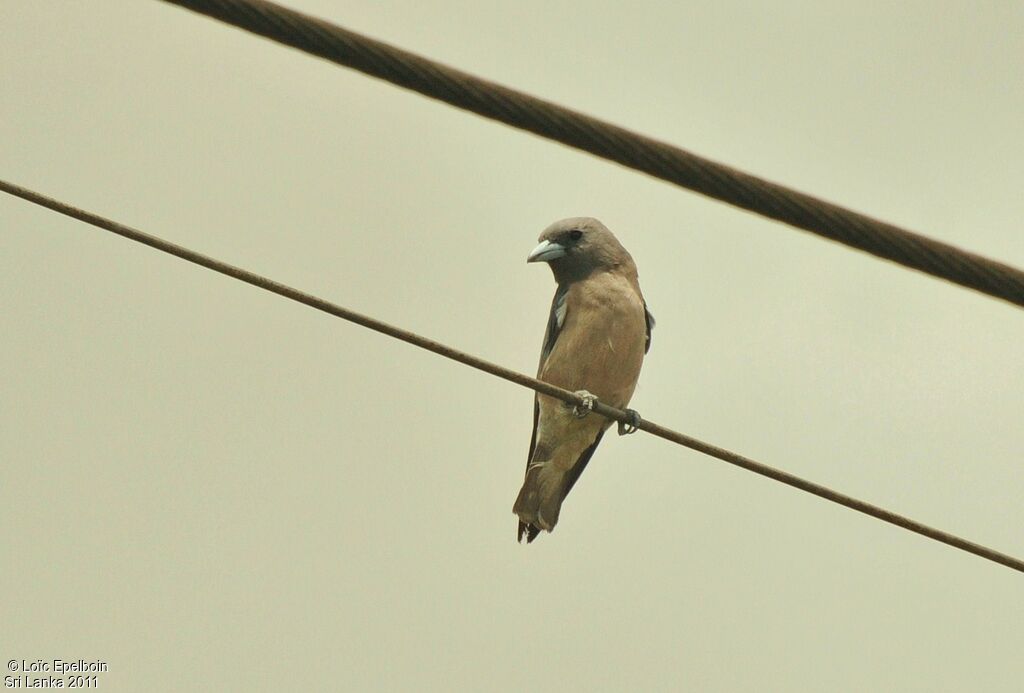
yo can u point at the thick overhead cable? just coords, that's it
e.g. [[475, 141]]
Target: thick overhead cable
[[512, 376], [630, 149]]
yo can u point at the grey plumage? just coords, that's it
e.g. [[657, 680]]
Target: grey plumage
[[597, 334]]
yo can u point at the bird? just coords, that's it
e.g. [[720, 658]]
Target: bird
[[598, 331]]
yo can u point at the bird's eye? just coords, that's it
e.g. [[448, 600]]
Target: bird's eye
[[575, 234]]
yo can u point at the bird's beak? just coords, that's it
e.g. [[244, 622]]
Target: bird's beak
[[546, 252]]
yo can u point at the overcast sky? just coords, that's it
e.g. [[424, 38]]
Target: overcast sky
[[207, 486]]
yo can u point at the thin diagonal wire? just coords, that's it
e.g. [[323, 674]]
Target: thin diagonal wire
[[658, 159], [512, 376]]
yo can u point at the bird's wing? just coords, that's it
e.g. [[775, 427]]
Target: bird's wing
[[581, 464], [555, 321], [533, 435], [649, 319]]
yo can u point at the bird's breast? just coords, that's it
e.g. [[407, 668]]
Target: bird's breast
[[600, 347]]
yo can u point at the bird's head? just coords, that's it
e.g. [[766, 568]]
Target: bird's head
[[577, 247]]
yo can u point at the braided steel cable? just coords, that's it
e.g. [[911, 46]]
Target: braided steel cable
[[658, 159]]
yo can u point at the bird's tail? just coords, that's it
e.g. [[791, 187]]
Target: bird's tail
[[540, 500]]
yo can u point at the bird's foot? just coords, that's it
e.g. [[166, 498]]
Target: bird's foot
[[589, 400], [634, 423]]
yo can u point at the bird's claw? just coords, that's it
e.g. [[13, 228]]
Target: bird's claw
[[589, 400], [634, 423]]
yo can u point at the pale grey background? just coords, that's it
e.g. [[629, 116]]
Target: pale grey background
[[210, 487]]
